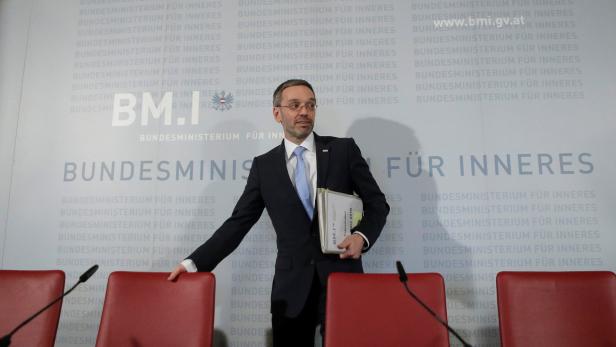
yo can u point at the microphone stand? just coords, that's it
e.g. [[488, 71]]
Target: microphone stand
[[6, 339], [404, 280]]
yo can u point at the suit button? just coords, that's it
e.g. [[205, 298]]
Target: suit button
[[311, 261]]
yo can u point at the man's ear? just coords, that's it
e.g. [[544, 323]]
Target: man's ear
[[276, 113]]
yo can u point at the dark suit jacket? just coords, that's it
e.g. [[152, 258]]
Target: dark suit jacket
[[340, 167]]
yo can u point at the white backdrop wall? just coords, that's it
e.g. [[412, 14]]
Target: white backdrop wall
[[13, 39], [128, 128]]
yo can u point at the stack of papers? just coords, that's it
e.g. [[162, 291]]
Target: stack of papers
[[338, 214]]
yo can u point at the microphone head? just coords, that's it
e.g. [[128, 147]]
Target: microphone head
[[401, 272], [86, 275]]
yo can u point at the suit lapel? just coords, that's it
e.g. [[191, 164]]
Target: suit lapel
[[282, 172], [322, 152], [287, 185]]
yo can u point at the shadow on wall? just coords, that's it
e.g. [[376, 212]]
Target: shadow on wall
[[421, 247], [217, 191]]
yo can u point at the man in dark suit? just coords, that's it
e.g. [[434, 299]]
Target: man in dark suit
[[284, 181]]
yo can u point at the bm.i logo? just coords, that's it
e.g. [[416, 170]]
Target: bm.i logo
[[125, 104]]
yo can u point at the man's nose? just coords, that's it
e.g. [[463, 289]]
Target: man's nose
[[303, 109]]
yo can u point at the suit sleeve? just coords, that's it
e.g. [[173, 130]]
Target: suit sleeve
[[376, 208], [228, 236]]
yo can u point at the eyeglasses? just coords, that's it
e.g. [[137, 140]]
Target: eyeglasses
[[296, 106]]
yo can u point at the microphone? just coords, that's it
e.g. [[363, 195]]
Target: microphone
[[6, 340], [401, 272], [404, 280], [86, 275]]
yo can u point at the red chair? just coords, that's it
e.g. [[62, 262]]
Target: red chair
[[557, 308], [375, 310], [144, 309], [23, 293]]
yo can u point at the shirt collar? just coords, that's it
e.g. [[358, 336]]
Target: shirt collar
[[308, 144]]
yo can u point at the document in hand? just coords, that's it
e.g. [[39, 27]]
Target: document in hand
[[338, 214]]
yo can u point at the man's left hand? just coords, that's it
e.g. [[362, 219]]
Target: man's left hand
[[352, 245]]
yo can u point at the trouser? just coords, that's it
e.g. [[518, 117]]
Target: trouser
[[300, 331]]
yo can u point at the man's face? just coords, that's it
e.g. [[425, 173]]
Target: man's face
[[298, 124]]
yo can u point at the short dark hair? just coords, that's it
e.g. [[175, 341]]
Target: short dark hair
[[286, 84]]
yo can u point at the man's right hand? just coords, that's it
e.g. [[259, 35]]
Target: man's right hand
[[176, 272]]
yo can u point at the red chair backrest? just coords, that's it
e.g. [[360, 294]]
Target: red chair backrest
[[375, 310], [144, 309], [23, 293], [557, 308]]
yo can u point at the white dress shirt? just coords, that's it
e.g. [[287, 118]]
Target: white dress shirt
[[310, 159]]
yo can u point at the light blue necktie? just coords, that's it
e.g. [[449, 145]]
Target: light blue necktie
[[301, 181]]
